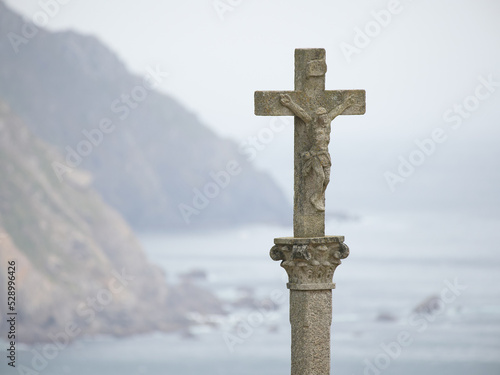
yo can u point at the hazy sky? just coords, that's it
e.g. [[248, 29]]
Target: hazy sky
[[421, 63]]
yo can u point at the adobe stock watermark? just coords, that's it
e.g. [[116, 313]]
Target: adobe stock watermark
[[419, 322], [121, 108], [427, 147], [202, 197], [252, 145], [49, 9], [221, 179], [88, 310], [245, 327], [221, 7], [363, 37]]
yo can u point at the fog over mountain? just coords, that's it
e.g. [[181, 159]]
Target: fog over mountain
[[86, 147], [416, 60], [148, 156], [124, 115]]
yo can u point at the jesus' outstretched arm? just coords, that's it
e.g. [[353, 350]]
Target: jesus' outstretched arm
[[295, 108], [341, 108]]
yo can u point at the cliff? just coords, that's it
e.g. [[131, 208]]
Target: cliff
[[77, 261], [149, 156]]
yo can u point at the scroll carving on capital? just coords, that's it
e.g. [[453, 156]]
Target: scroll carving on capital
[[310, 262]]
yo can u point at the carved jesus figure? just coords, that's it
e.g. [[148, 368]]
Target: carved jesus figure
[[317, 160]]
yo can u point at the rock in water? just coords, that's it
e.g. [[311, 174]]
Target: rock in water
[[429, 306]]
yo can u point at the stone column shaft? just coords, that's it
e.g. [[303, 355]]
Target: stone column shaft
[[310, 257], [310, 318], [310, 264]]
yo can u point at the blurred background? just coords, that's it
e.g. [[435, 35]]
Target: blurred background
[[139, 195]]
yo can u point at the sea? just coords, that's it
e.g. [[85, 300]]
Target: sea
[[418, 294]]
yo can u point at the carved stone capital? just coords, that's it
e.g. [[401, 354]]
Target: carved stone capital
[[310, 262]]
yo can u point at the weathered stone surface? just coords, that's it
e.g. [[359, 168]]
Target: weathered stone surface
[[314, 109], [310, 318], [310, 258], [310, 262]]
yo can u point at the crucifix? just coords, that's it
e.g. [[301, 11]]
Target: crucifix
[[314, 109], [310, 258]]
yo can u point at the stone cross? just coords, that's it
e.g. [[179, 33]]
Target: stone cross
[[310, 258], [314, 109]]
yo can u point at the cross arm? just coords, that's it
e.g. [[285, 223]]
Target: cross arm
[[295, 108], [344, 102], [341, 108], [268, 103]]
